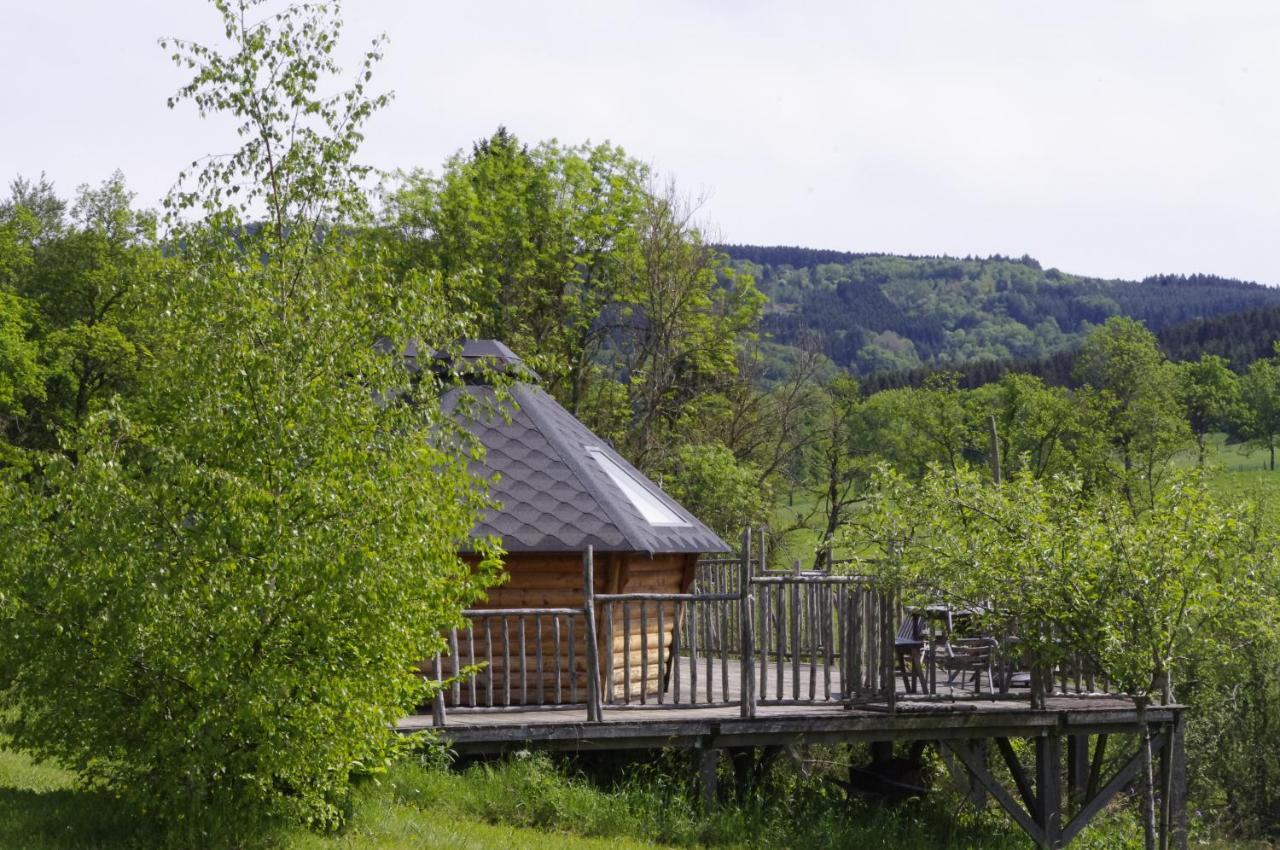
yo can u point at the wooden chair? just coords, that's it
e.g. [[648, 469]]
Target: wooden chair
[[908, 647], [970, 655]]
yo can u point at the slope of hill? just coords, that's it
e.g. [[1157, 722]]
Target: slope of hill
[[876, 313], [1241, 337]]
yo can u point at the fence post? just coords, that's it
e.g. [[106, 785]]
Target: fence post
[[747, 670], [437, 702], [594, 712], [888, 648]]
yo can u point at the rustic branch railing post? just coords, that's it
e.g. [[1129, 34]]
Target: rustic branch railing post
[[888, 609], [594, 710], [437, 702], [748, 670]]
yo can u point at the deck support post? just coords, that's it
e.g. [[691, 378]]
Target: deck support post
[[1077, 769], [746, 659], [888, 681], [594, 708], [705, 760], [977, 793], [1048, 808], [1173, 784]]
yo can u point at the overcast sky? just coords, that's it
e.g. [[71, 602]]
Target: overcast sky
[[1111, 138]]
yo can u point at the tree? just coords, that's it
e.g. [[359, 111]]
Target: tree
[[1210, 394], [839, 459], [1260, 393], [81, 287], [21, 379], [722, 491], [1132, 407], [236, 567], [1136, 590], [1036, 425], [599, 278], [682, 324], [537, 243]]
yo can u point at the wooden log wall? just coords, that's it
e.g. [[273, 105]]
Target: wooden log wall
[[531, 658]]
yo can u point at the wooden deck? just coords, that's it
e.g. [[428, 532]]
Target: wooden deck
[[949, 711], [789, 660], [722, 726]]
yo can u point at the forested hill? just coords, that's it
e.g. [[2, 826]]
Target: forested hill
[[1240, 338], [878, 313]]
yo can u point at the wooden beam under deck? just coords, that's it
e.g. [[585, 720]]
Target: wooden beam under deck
[[722, 726]]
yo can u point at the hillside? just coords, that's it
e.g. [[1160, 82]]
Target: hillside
[[877, 313], [1240, 337]]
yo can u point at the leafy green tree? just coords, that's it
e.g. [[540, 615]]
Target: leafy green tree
[[82, 284], [683, 324], [1037, 426], [1210, 395], [21, 379], [538, 244], [234, 570], [1130, 399], [838, 456], [1139, 592], [1260, 393], [722, 491]]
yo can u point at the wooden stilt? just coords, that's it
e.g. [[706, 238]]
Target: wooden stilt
[[1048, 809], [1173, 762], [706, 759], [1077, 769]]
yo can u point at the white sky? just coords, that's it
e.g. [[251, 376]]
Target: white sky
[[1112, 138]]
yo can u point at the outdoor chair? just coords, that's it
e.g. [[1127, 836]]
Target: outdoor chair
[[961, 656], [908, 648]]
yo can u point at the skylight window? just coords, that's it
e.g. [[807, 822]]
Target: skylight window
[[640, 496]]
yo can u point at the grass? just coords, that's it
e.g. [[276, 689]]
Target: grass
[[530, 801]]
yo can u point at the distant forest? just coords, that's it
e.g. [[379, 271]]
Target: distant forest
[[892, 318], [1240, 338]]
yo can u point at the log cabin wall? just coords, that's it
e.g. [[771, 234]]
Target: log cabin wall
[[554, 580]]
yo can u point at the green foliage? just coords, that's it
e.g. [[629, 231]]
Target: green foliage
[[1210, 395], [532, 801], [599, 280], [1037, 427], [1260, 392], [231, 571], [1137, 592], [720, 490], [536, 243], [68, 287], [1131, 402]]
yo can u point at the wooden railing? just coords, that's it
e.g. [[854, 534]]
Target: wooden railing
[[740, 637], [744, 635], [821, 638], [516, 657]]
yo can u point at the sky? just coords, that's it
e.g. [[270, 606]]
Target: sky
[[1117, 138]]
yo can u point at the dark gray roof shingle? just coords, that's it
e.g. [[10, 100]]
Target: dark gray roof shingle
[[553, 495]]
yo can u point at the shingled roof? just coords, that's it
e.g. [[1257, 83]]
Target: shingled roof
[[559, 486]]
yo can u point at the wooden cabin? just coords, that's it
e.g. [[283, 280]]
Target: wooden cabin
[[559, 489]]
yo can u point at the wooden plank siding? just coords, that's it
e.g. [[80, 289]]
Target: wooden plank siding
[[632, 649]]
